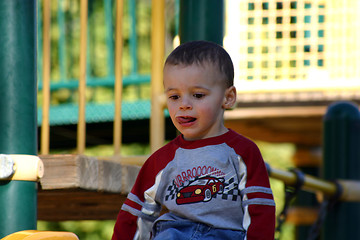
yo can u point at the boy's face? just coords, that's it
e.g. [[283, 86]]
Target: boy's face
[[196, 99]]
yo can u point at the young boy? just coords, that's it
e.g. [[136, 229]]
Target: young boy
[[212, 180]]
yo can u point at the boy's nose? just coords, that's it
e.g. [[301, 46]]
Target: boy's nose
[[185, 104]]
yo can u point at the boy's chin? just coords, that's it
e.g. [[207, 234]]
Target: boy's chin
[[191, 137]]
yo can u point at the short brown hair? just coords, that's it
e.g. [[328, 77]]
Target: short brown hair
[[200, 52]]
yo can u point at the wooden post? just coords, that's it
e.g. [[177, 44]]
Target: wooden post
[[157, 119], [81, 131], [118, 78], [45, 129]]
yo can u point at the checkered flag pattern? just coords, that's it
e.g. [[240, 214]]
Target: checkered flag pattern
[[231, 191], [171, 192]]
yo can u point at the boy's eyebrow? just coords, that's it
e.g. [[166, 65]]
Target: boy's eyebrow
[[169, 89], [194, 87], [200, 87]]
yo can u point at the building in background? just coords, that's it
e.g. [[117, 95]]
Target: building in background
[[309, 46], [292, 59]]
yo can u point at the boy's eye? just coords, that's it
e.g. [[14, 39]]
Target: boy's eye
[[174, 97], [199, 95]]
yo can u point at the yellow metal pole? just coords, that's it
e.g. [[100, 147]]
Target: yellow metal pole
[[81, 131], [157, 121], [310, 183], [118, 78], [45, 129], [350, 190]]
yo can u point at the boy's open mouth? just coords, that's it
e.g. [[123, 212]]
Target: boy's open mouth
[[183, 120]]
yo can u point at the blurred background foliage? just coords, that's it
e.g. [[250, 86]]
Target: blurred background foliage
[[67, 67], [85, 230]]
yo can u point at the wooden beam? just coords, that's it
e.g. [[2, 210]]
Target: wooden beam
[[307, 157], [88, 173], [77, 187], [274, 111], [279, 130], [299, 125], [78, 204]]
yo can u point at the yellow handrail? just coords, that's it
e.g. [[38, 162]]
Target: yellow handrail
[[347, 190]]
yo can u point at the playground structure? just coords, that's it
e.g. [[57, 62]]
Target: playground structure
[[93, 174]]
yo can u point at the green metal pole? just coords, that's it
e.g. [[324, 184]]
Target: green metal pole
[[18, 129], [342, 161], [201, 20]]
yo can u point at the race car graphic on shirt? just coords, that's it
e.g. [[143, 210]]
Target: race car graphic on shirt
[[200, 189]]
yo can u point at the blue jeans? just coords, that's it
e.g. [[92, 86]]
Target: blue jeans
[[188, 230]]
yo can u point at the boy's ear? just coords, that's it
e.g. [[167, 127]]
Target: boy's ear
[[229, 98]]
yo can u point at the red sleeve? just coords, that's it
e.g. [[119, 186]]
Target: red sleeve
[[262, 216], [260, 221], [262, 225], [125, 226]]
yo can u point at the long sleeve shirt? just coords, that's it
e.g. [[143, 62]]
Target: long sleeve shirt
[[220, 181]]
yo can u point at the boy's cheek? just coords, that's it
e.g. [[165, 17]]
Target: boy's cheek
[[171, 112], [171, 107]]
